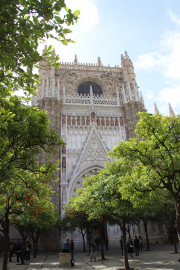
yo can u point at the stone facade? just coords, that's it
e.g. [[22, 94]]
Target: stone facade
[[91, 124]]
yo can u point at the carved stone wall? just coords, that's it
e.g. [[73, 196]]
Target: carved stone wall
[[91, 124]]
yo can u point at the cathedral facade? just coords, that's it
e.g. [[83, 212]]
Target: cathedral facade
[[92, 107]]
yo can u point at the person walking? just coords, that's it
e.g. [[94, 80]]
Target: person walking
[[72, 249], [93, 249], [66, 245], [121, 244], [130, 247], [140, 243], [11, 248], [18, 251], [136, 245], [30, 248]]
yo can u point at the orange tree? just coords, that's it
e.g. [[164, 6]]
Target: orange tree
[[100, 199], [156, 156], [39, 216], [22, 199], [24, 133]]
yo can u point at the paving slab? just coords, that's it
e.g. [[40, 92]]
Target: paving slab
[[160, 257]]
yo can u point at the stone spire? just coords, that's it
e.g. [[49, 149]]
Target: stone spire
[[75, 60], [155, 108], [171, 112], [99, 61]]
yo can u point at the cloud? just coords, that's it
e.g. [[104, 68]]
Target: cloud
[[174, 18], [149, 93], [89, 16], [168, 61], [145, 61], [170, 95]]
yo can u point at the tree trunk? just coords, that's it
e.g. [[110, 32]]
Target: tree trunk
[[170, 232], [89, 238], [84, 247], [22, 253], [177, 205], [36, 245], [102, 244], [123, 228], [6, 242], [173, 236], [146, 231]]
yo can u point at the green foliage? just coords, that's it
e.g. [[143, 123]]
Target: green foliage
[[157, 155], [25, 24], [25, 133]]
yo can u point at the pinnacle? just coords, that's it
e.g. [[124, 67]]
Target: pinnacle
[[155, 108], [171, 112]]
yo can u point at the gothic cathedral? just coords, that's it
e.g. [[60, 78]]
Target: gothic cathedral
[[92, 107]]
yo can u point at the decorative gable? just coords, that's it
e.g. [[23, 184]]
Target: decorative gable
[[95, 151]]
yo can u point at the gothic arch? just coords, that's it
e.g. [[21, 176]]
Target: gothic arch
[[79, 177], [90, 79]]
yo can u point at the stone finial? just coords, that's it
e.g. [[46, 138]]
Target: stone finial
[[171, 112], [155, 108], [99, 62], [126, 55], [75, 60]]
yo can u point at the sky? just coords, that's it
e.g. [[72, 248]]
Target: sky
[[149, 30]]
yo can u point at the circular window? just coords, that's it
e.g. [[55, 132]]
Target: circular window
[[84, 88]]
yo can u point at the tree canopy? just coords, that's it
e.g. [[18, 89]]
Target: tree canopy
[[101, 199], [155, 154], [24, 24], [25, 133]]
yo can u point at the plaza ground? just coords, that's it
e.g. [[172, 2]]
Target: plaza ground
[[159, 257]]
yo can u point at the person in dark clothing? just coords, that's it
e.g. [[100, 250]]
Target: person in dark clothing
[[72, 249], [30, 248], [10, 251], [130, 247], [18, 251], [121, 244], [136, 245]]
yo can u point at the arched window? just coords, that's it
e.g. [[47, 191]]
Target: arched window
[[84, 88]]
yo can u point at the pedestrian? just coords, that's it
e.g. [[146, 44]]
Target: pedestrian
[[66, 245], [136, 245], [11, 248], [121, 244], [72, 249], [130, 247], [93, 249], [26, 250], [30, 248], [18, 251], [106, 242], [140, 243]]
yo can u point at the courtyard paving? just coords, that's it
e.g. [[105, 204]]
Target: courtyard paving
[[159, 257]]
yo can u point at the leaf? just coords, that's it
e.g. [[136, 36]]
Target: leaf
[[66, 31], [64, 41], [76, 13]]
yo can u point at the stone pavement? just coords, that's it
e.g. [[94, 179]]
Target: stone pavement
[[160, 257]]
